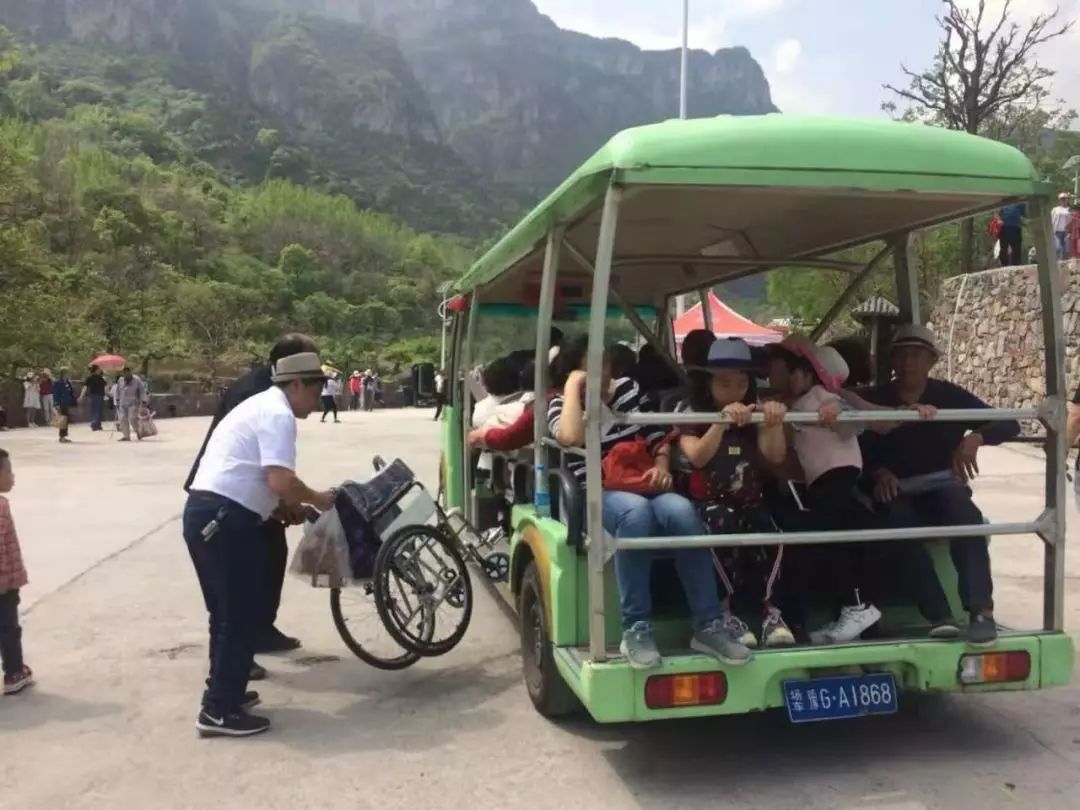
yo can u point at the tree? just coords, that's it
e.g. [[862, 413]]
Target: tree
[[985, 73]]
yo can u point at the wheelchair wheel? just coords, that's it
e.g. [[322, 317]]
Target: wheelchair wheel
[[422, 590], [360, 627]]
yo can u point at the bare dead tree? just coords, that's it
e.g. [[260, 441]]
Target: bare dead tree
[[985, 68]]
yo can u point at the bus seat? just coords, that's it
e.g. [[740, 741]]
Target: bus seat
[[568, 504]]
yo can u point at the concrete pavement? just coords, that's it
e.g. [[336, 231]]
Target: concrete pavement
[[115, 630]]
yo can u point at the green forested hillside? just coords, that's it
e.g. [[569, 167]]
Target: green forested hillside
[[116, 236]]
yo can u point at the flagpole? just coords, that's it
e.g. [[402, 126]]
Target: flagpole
[[685, 59]]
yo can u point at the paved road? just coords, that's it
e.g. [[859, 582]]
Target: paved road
[[115, 631]]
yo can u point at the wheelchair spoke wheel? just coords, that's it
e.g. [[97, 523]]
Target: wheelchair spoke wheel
[[422, 590], [358, 623]]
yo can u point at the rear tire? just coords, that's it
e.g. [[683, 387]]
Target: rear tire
[[384, 654], [547, 690]]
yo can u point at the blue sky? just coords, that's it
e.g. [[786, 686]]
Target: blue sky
[[820, 56]]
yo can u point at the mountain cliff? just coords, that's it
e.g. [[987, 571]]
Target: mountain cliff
[[454, 114]]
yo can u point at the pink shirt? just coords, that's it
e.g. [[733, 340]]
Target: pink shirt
[[822, 449]]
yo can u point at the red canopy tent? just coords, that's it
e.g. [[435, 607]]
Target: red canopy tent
[[726, 323]]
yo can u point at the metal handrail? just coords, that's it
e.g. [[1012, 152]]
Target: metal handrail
[[980, 415], [814, 538], [547, 441]]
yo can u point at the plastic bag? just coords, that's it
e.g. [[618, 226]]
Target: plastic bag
[[322, 558]]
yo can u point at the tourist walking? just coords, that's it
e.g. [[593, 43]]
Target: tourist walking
[[245, 476], [130, 396], [45, 389], [94, 391], [355, 387], [31, 399], [1059, 218], [1011, 234], [330, 392], [65, 401]]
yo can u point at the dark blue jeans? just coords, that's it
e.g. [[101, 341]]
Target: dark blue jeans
[[230, 566], [97, 411]]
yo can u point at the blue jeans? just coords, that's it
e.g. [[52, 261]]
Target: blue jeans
[[231, 570], [629, 515], [1061, 244], [97, 411]]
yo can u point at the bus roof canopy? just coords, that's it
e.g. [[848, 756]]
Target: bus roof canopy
[[713, 199]]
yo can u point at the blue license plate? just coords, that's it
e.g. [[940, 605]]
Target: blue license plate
[[840, 698]]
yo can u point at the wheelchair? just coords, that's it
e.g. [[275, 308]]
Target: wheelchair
[[411, 593]]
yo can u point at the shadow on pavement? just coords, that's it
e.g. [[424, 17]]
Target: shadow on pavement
[[36, 707]]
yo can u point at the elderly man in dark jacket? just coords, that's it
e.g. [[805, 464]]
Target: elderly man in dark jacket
[[920, 471]]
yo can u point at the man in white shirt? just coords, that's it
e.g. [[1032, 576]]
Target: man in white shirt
[[1059, 217], [130, 395], [247, 470]]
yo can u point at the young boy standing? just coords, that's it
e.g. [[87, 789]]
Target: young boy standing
[[17, 676]]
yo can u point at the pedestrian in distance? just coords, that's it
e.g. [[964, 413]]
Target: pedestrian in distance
[[94, 391], [17, 676], [130, 397], [31, 399], [355, 387], [246, 474], [330, 392], [65, 401], [45, 389], [1060, 217]]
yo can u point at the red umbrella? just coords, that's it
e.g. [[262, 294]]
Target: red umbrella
[[109, 362]]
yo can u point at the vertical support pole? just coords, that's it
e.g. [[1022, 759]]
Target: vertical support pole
[[605, 251], [1050, 291], [706, 310], [907, 279], [541, 496], [467, 403]]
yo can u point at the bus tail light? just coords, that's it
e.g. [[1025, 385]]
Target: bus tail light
[[1004, 667], [674, 691]]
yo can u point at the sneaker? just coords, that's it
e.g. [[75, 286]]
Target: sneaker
[[274, 641], [774, 630], [946, 629], [65, 440], [258, 673], [739, 630], [717, 640], [250, 700], [233, 724], [982, 631], [853, 621], [13, 684], [639, 647], [125, 438]]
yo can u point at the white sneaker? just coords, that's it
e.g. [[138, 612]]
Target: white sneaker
[[853, 622]]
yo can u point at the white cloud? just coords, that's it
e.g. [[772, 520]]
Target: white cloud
[[786, 56]]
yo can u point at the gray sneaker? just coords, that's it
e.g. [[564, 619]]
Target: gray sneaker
[[639, 647], [714, 639]]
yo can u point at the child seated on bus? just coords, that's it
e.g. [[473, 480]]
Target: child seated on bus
[[727, 482], [505, 400], [653, 511]]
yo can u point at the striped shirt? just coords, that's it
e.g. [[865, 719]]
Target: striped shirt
[[626, 399]]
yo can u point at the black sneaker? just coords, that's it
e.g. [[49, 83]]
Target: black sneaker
[[233, 724], [250, 700], [982, 631], [274, 641], [945, 629]]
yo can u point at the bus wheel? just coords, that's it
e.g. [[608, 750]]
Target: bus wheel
[[547, 689]]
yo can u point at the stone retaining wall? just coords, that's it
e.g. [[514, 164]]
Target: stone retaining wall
[[989, 326]]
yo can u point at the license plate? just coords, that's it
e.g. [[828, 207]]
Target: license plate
[[840, 698]]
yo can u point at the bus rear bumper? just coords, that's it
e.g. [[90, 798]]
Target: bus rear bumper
[[613, 692]]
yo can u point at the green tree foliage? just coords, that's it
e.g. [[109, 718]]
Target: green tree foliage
[[115, 236]]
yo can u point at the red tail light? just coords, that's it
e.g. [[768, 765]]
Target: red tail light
[[674, 691], [1004, 667]]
